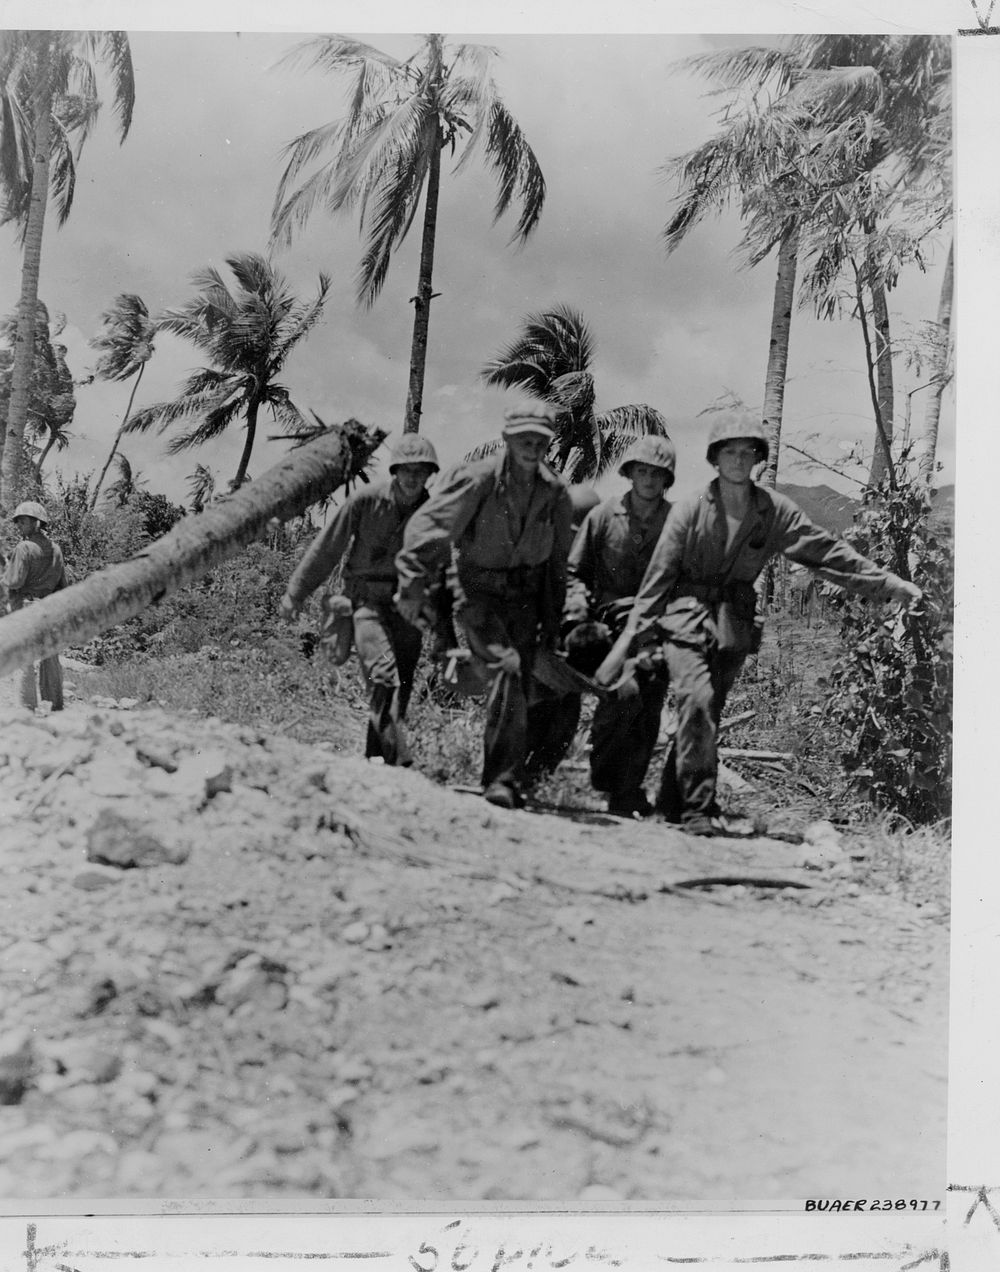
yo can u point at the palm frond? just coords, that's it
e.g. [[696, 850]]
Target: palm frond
[[211, 427], [112, 50], [394, 210], [484, 450], [739, 68], [630, 422], [518, 171]]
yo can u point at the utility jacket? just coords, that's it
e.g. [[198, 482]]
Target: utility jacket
[[35, 569], [691, 558], [368, 527], [473, 509], [611, 551]]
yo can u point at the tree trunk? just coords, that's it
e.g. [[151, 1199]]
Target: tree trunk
[[939, 369], [241, 472], [118, 438], [881, 437], [883, 370], [777, 358], [24, 347], [44, 456], [195, 546], [422, 300]]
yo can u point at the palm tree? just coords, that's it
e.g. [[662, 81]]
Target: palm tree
[[127, 344], [902, 175], [128, 483], [551, 360], [48, 107], [187, 552], [201, 485], [403, 114], [782, 133], [247, 333]]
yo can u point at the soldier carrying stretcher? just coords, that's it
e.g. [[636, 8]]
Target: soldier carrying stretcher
[[366, 533]]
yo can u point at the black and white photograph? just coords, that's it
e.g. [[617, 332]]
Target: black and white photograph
[[477, 522]]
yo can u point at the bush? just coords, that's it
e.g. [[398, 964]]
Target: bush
[[889, 692]]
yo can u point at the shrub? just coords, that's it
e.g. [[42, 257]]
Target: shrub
[[889, 691]]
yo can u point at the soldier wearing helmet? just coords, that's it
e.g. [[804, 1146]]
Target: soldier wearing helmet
[[698, 601], [509, 520], [34, 570], [365, 534], [606, 565]]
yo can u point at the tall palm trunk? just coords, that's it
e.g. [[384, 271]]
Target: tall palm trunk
[[777, 358], [118, 438], [939, 369], [24, 346], [422, 300], [241, 472], [882, 457]]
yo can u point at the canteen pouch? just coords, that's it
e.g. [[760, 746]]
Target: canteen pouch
[[337, 629]]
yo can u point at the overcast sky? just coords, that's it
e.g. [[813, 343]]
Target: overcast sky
[[195, 182]]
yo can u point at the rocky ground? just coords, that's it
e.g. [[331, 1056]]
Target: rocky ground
[[236, 965]]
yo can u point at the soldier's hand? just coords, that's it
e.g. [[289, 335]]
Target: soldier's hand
[[906, 593], [611, 668], [410, 607], [288, 609], [504, 658]]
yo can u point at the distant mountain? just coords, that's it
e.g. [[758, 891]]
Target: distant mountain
[[828, 508]]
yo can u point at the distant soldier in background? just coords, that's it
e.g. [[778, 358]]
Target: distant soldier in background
[[698, 602], [510, 519], [606, 566], [36, 569], [366, 533]]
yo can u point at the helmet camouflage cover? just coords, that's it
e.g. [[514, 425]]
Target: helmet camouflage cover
[[413, 449], [31, 509], [731, 426], [652, 449]]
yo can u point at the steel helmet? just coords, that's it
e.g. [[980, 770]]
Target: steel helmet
[[583, 498], [31, 509], [413, 449], [730, 426], [652, 449]]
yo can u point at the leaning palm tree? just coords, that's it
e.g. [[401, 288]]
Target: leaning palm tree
[[126, 342], [380, 158], [551, 360], [247, 333], [48, 107]]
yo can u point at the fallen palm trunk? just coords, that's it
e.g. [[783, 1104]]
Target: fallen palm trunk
[[194, 546]]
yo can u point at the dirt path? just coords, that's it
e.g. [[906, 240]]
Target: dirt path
[[329, 978]]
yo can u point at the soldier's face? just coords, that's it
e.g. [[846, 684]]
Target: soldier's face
[[411, 479], [26, 525], [527, 450], [736, 460], [648, 481]]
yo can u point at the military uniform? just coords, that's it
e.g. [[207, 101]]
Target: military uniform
[[692, 572], [369, 528], [607, 563], [36, 569], [511, 546]]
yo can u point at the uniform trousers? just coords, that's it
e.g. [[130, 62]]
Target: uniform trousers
[[701, 680], [507, 619], [622, 738], [388, 650]]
